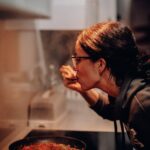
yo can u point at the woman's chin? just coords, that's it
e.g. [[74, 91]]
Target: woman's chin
[[86, 86]]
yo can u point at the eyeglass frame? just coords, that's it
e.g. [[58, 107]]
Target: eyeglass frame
[[78, 57]]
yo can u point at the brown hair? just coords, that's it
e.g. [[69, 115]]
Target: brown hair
[[115, 43]]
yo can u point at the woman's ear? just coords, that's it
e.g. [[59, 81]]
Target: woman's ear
[[101, 64]]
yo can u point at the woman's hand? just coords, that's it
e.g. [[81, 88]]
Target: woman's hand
[[70, 79]]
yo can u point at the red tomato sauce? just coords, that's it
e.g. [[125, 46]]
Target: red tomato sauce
[[48, 146]]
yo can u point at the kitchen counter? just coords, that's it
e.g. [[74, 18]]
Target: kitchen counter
[[81, 117], [78, 118]]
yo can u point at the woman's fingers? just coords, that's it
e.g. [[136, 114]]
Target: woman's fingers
[[71, 70], [68, 72], [70, 78]]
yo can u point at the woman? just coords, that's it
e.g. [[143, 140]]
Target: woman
[[106, 57]]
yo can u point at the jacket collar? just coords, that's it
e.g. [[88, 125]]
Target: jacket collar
[[129, 87]]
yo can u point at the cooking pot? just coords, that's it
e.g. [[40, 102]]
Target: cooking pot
[[73, 142]]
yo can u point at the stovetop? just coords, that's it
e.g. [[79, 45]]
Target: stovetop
[[93, 140]]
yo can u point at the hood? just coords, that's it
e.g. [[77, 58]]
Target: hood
[[10, 9]]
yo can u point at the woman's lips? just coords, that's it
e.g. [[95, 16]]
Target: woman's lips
[[75, 79]]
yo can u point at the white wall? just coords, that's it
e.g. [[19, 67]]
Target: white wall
[[65, 14], [107, 10], [70, 14], [78, 14]]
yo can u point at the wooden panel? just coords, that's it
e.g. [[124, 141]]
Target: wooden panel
[[9, 52]]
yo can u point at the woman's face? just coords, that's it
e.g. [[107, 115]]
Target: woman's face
[[87, 70]]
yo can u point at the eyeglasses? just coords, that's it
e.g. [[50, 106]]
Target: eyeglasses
[[77, 59]]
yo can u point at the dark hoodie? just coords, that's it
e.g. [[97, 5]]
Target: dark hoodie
[[132, 107]]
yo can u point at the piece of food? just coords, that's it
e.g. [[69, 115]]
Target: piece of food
[[48, 146]]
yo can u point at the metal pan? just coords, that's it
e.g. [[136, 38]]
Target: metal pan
[[73, 142]]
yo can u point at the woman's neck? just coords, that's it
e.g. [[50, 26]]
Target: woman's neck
[[113, 90], [107, 83]]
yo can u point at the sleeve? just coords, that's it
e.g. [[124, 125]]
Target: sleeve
[[141, 126], [140, 117], [104, 110]]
